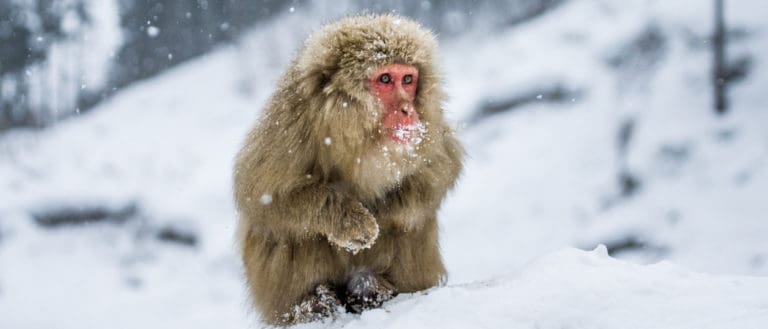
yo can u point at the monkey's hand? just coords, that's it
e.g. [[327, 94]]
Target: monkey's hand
[[357, 229]]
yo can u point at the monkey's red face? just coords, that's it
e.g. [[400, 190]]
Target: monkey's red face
[[395, 86]]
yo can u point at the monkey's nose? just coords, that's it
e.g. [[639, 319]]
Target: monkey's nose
[[406, 109]]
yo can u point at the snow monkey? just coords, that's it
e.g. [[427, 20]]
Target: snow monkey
[[338, 185]]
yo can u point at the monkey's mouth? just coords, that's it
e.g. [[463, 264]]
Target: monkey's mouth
[[410, 134]]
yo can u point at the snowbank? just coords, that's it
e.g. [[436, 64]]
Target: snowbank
[[578, 289]]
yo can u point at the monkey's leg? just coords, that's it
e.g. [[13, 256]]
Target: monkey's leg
[[366, 290], [287, 279], [419, 265]]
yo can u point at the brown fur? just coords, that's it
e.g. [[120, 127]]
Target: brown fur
[[295, 192]]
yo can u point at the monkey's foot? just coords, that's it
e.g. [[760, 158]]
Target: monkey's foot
[[366, 290], [322, 304]]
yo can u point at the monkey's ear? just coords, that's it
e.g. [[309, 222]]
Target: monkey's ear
[[314, 80], [312, 84]]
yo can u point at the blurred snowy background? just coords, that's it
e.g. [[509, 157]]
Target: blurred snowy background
[[585, 122]]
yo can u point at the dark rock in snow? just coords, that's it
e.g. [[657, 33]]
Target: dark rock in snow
[[634, 243], [556, 93], [79, 215], [177, 234]]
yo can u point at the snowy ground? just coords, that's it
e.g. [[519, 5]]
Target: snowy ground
[[576, 289], [540, 179]]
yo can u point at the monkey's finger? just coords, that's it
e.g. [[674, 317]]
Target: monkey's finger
[[354, 246]]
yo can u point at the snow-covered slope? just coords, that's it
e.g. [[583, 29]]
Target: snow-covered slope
[[548, 173], [540, 178], [577, 289]]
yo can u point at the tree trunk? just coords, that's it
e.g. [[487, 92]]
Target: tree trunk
[[720, 69]]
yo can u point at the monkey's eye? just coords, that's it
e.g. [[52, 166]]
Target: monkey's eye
[[385, 78], [407, 79]]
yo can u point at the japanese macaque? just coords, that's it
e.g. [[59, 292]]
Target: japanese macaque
[[338, 185]]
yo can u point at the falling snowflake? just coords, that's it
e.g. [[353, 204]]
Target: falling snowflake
[[265, 199], [153, 31]]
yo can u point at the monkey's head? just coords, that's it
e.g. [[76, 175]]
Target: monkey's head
[[364, 90]]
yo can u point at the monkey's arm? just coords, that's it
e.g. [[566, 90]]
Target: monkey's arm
[[312, 210]]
